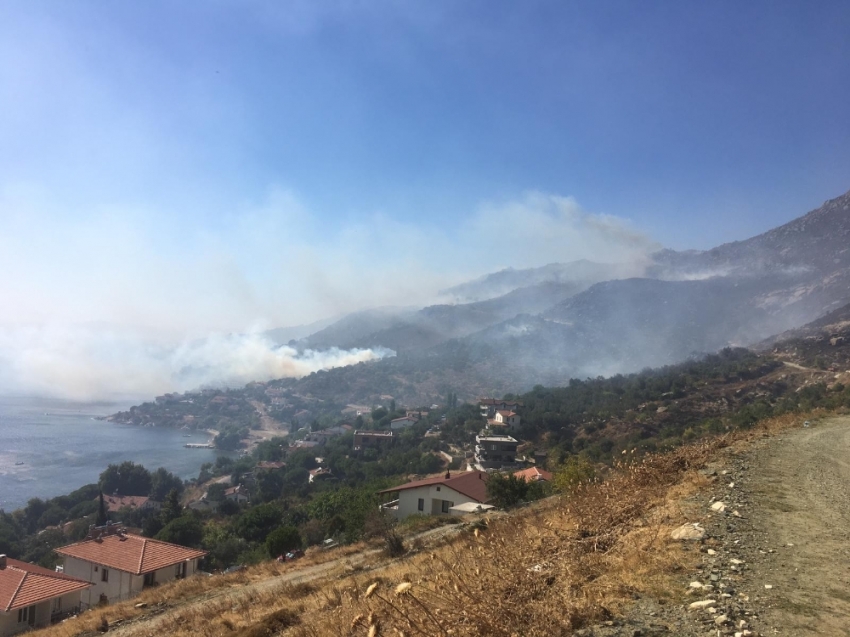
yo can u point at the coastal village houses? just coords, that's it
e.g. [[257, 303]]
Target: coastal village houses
[[440, 495], [495, 452], [33, 597], [489, 406], [364, 438], [534, 474], [118, 565]]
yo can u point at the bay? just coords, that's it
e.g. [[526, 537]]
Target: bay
[[51, 447]]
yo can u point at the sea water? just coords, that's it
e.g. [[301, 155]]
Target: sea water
[[51, 447]]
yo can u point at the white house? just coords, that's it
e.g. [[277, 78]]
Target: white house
[[238, 494], [32, 596], [507, 417], [434, 496], [318, 474], [119, 565]]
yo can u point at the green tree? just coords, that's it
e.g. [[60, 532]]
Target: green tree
[[102, 513], [269, 485], [576, 470], [186, 530], [163, 481], [506, 490], [171, 509], [215, 492], [128, 478], [282, 540], [257, 522]]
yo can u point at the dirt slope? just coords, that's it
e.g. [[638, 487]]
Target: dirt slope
[[800, 490], [777, 557]]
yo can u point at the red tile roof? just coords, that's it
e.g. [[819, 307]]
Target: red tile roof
[[472, 484], [130, 553], [23, 584], [116, 502], [533, 474]]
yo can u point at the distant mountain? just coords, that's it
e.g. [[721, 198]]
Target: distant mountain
[[354, 330], [409, 330], [561, 321], [812, 246], [282, 335], [583, 273]]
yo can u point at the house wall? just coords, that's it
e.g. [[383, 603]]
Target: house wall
[[9, 624], [9, 621], [121, 585], [408, 500]]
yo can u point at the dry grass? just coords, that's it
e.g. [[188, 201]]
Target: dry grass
[[545, 570]]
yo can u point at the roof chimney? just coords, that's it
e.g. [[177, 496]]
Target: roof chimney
[[2, 561], [448, 474]]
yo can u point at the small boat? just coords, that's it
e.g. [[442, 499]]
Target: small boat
[[19, 463]]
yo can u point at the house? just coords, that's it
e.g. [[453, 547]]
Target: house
[[494, 452], [489, 406], [238, 494], [435, 496], [203, 504], [318, 474], [403, 422], [303, 444], [117, 502], [32, 596], [323, 435], [118, 565], [533, 474], [270, 465], [364, 438], [507, 417]]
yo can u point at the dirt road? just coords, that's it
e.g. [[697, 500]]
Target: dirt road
[[799, 487]]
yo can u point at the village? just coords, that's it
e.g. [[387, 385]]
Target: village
[[115, 560]]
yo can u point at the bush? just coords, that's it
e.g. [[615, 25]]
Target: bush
[[576, 470], [186, 530], [282, 540], [506, 490]]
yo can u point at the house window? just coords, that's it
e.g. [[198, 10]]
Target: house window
[[27, 615], [104, 575], [421, 505], [150, 579], [438, 488], [180, 570], [57, 605], [447, 505]]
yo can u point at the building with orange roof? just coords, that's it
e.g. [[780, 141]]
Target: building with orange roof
[[118, 565], [32, 596], [434, 496], [533, 474], [115, 503]]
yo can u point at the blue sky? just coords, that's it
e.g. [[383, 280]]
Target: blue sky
[[275, 162]]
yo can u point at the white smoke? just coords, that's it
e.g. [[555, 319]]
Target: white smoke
[[86, 363]]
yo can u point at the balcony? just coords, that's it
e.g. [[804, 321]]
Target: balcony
[[389, 507]]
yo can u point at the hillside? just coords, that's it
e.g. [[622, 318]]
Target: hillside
[[561, 321], [602, 562]]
